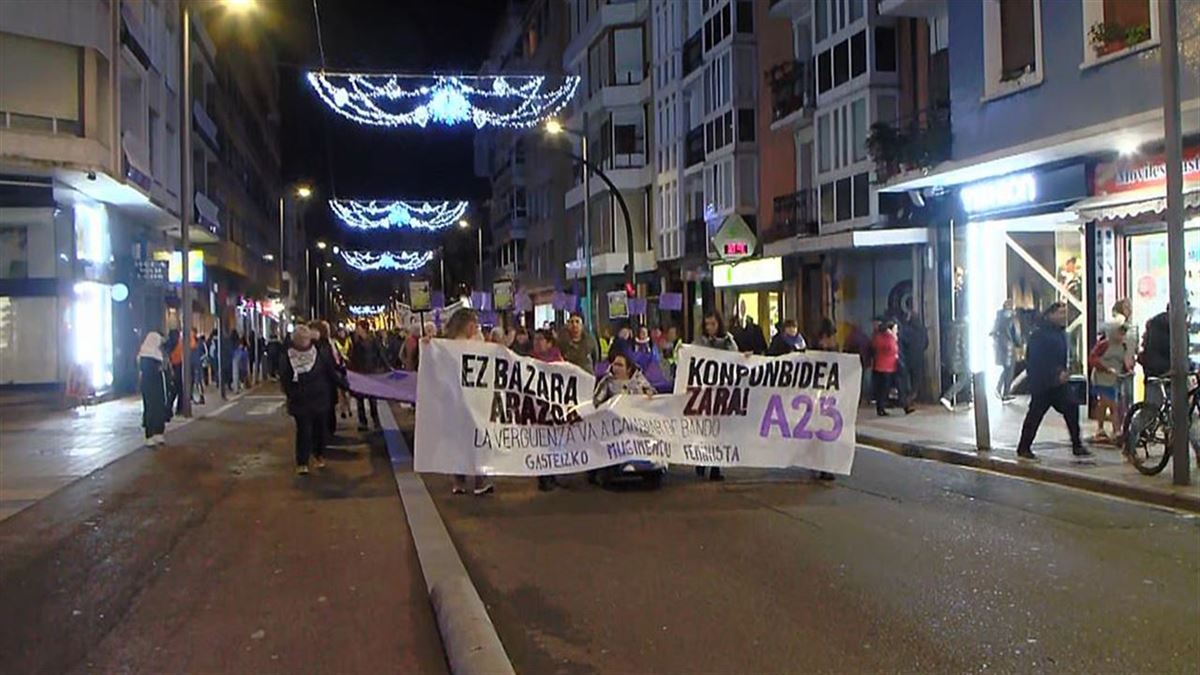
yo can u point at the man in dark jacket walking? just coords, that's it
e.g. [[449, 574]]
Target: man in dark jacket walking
[[366, 356], [1048, 382]]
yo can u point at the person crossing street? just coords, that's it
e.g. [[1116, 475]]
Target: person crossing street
[[1049, 383]]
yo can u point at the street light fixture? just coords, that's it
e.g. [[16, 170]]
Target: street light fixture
[[464, 224], [304, 192], [321, 245]]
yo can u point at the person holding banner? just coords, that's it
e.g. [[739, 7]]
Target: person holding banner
[[464, 325], [309, 379], [521, 343], [787, 340], [714, 336], [366, 356]]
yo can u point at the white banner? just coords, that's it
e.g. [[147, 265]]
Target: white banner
[[484, 410]]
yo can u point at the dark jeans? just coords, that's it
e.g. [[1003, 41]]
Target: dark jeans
[[881, 385], [1040, 403], [1004, 386], [362, 413], [310, 437], [175, 401]]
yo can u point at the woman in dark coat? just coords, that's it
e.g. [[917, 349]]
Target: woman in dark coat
[[309, 380], [153, 386]]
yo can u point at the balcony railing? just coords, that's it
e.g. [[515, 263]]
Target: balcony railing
[[693, 53], [795, 215], [792, 88], [693, 150], [918, 142]]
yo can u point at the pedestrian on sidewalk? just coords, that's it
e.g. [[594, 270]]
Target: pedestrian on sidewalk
[[323, 343], [1049, 382], [714, 336], [464, 325], [341, 350], [960, 364], [885, 361], [308, 379], [366, 356], [174, 371], [229, 374], [199, 363], [1108, 362], [914, 341], [274, 353], [152, 383], [251, 358], [1005, 338]]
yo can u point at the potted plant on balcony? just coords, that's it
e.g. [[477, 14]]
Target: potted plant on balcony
[[885, 144], [1107, 38], [1137, 34]]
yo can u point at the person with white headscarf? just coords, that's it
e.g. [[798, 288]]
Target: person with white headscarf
[[153, 387], [309, 379]]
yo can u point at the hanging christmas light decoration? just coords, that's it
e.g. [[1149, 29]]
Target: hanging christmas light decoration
[[372, 214], [394, 100], [403, 261], [366, 310]]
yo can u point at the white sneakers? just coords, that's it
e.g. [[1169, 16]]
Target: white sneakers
[[156, 440]]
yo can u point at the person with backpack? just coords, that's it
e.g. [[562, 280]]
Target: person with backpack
[[1109, 363]]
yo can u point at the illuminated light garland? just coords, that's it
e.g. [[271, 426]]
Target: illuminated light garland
[[404, 261], [366, 310], [379, 213], [518, 101]]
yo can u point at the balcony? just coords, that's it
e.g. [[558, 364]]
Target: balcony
[[790, 9], [919, 142], [208, 214], [205, 125], [693, 147], [693, 54], [612, 13], [793, 92], [795, 215], [918, 9]]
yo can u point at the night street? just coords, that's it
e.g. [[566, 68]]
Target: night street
[[909, 566]]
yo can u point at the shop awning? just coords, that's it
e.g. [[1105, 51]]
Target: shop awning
[[850, 239], [1133, 203]]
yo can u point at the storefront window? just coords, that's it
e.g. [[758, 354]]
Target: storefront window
[[1148, 281]]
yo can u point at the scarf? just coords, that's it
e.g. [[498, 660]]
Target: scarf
[[151, 347], [302, 361]]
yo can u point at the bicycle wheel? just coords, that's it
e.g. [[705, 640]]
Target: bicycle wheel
[[1146, 449]]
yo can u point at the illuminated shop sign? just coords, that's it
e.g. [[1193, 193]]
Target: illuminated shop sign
[[1126, 175], [748, 272], [1000, 193]]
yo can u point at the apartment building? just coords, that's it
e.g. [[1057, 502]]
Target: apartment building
[[1052, 186], [89, 186], [608, 47], [529, 172]]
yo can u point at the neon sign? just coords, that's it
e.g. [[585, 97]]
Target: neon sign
[[1000, 193]]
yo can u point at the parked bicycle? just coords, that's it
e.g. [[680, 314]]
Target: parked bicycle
[[1148, 448]]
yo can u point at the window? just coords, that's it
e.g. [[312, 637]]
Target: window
[[1016, 38], [1115, 27], [745, 16], [40, 84], [827, 203], [858, 126], [825, 71], [822, 19], [856, 10], [824, 144], [628, 59], [862, 195], [745, 124], [1012, 45], [841, 63], [885, 49], [858, 54]]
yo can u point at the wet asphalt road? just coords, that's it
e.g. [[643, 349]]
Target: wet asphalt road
[[907, 567], [210, 556]]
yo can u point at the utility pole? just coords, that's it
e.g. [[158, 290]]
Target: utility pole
[[186, 206], [1173, 136], [587, 228]]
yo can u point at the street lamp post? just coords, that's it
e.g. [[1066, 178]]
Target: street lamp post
[[553, 127], [187, 189], [465, 224]]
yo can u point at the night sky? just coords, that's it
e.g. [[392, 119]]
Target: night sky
[[344, 159]]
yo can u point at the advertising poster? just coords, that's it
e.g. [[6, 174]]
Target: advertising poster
[[419, 296]]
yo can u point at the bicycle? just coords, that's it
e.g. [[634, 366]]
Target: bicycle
[[1149, 449]]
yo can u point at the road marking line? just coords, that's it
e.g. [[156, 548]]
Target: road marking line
[[265, 408]]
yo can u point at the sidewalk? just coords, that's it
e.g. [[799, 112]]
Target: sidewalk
[[45, 448], [934, 433]]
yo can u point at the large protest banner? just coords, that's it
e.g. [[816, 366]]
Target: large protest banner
[[497, 413]]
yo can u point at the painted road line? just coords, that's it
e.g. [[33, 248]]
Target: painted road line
[[468, 635], [266, 408]]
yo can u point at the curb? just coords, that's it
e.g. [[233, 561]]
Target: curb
[[983, 460], [468, 636]]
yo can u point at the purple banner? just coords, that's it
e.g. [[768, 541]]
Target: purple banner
[[487, 318], [636, 306], [671, 301], [481, 301], [522, 303], [437, 299], [570, 302], [397, 385], [559, 301]]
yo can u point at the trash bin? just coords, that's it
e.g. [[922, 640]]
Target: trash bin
[[1079, 391]]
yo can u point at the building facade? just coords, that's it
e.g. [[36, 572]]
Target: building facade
[[89, 199]]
